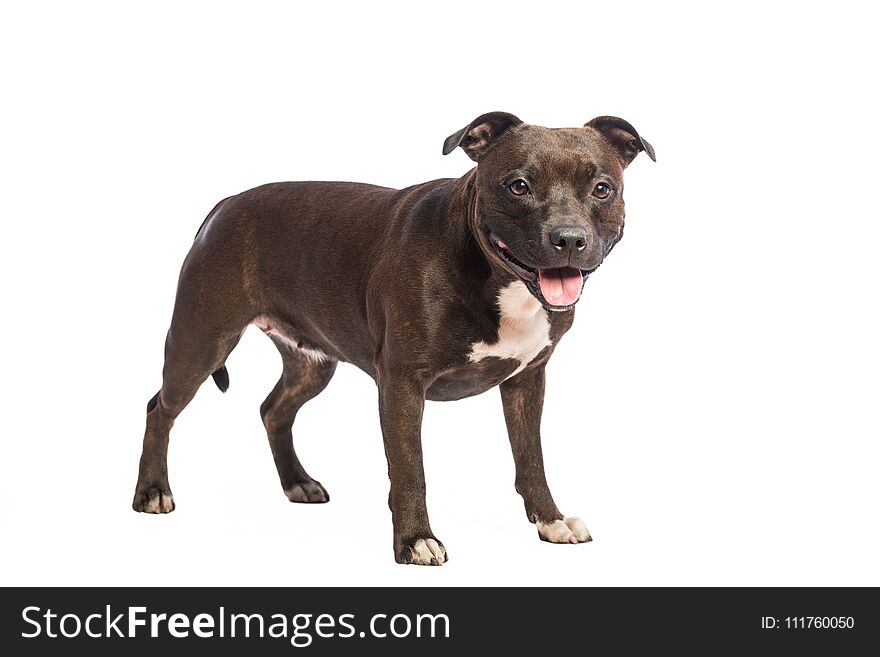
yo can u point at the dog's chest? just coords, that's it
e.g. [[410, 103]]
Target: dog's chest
[[523, 329]]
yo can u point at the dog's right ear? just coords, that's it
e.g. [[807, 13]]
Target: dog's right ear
[[479, 135]]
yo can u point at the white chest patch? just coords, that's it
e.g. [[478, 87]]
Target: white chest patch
[[523, 330]]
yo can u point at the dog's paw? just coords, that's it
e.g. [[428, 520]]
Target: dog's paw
[[569, 530], [423, 552], [153, 500], [307, 492]]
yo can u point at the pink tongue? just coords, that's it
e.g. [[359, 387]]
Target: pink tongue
[[560, 287]]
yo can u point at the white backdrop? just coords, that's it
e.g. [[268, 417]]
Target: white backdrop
[[725, 359]]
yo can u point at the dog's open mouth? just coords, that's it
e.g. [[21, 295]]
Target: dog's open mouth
[[557, 289]]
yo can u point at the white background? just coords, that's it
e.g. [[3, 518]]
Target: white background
[[712, 415]]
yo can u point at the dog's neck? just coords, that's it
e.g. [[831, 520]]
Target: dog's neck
[[471, 233], [474, 253]]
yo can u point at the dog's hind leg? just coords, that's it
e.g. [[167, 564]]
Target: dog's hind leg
[[190, 358], [305, 375], [209, 318], [217, 295]]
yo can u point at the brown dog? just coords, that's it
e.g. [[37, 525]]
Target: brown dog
[[439, 291]]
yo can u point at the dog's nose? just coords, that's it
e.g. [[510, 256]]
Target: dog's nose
[[568, 238]]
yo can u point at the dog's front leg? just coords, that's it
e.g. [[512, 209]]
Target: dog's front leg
[[523, 400], [401, 404]]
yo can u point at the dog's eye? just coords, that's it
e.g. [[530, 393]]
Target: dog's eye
[[602, 190], [519, 187]]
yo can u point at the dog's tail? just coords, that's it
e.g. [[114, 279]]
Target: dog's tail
[[221, 378]]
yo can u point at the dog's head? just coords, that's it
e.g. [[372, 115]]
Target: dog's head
[[549, 201]]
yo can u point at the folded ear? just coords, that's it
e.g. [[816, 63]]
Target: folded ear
[[622, 136], [479, 135]]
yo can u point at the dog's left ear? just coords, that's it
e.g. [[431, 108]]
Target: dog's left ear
[[623, 137], [477, 136]]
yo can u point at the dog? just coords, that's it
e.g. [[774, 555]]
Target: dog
[[439, 291]]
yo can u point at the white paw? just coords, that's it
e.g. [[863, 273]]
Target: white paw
[[569, 530], [154, 501], [428, 552], [306, 492]]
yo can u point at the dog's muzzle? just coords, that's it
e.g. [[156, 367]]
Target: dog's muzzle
[[557, 288]]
